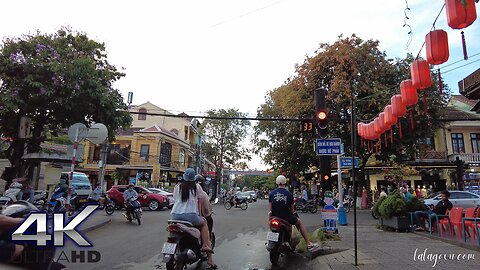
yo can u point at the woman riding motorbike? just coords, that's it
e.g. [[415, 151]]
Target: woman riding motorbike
[[186, 195]]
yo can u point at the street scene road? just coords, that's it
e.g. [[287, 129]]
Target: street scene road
[[241, 237]]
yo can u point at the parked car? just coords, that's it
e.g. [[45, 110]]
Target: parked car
[[247, 196], [169, 195], [146, 198], [81, 185], [458, 198], [253, 194]]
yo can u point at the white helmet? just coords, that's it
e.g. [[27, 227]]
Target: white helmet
[[281, 180]]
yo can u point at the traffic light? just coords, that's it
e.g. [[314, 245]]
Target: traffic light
[[321, 112]]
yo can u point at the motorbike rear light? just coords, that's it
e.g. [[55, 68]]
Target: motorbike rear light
[[274, 224]]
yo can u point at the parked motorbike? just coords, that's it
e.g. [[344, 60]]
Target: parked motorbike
[[10, 195], [40, 199], [280, 240], [348, 203], [183, 246], [374, 215], [31, 257], [133, 210], [306, 206], [241, 203]]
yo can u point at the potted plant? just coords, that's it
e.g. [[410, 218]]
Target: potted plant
[[415, 205], [393, 211]]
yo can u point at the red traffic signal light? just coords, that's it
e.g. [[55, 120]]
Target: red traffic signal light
[[322, 115], [326, 177]]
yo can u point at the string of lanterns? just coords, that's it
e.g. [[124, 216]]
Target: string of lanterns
[[460, 14]]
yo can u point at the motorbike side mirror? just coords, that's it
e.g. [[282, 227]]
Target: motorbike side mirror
[[215, 201]]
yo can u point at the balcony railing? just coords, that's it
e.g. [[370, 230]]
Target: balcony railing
[[468, 158], [432, 156]]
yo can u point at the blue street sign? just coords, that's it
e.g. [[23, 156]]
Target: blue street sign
[[328, 147], [346, 162]]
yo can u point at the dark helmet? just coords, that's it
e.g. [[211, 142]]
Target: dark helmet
[[199, 179]]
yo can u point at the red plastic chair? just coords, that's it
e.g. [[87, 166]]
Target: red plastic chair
[[470, 224], [436, 225], [454, 220]]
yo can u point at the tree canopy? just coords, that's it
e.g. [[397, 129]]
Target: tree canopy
[[56, 80], [224, 137], [349, 64]]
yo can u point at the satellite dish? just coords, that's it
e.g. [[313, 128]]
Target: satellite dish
[[97, 133], [82, 132]]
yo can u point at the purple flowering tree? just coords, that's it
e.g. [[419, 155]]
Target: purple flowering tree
[[55, 80]]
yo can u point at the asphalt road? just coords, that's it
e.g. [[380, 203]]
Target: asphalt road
[[241, 238]]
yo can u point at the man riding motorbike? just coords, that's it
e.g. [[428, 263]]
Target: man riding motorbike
[[281, 205], [127, 195], [205, 211], [61, 190]]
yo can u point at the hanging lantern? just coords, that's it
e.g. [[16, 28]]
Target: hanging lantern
[[359, 129], [376, 125], [458, 15], [420, 72], [436, 43], [390, 119], [381, 118], [399, 109], [408, 92]]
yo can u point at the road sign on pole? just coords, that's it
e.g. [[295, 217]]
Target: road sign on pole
[[328, 147], [346, 162]]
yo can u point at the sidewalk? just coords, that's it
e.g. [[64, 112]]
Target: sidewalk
[[379, 249]]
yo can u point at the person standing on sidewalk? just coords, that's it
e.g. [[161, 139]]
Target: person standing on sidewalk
[[440, 209]]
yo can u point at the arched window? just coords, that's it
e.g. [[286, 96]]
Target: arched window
[[142, 114], [181, 157]]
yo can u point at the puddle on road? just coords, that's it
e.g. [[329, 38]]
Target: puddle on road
[[243, 252]]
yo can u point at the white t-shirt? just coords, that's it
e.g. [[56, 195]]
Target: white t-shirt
[[190, 206]]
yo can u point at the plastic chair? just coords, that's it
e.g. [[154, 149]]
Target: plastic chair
[[453, 220], [470, 213], [437, 226]]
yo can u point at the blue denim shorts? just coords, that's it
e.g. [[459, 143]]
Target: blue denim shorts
[[193, 218]]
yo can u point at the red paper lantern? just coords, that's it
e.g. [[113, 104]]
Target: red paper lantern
[[399, 109], [420, 72], [409, 93], [436, 43], [376, 125], [360, 129], [458, 15], [390, 120], [381, 117]]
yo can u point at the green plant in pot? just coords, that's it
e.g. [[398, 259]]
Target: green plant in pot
[[392, 205]]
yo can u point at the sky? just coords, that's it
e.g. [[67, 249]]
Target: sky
[[192, 55]]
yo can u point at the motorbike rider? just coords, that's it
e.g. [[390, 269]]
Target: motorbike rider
[[186, 207], [61, 190], [206, 212], [127, 195], [281, 205], [96, 195], [26, 189]]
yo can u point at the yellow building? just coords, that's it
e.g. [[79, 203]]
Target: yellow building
[[459, 138], [157, 148]]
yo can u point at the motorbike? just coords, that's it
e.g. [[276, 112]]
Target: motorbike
[[57, 204], [10, 195], [108, 205], [348, 203], [241, 203], [40, 199], [374, 215], [31, 257], [306, 206], [280, 240], [133, 210], [183, 246]]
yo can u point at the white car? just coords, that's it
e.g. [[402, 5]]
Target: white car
[[458, 198], [166, 193]]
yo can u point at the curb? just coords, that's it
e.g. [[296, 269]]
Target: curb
[[96, 226], [450, 241]]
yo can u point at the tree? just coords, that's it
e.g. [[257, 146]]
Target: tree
[[349, 64], [224, 137], [56, 80]]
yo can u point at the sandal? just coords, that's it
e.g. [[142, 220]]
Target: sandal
[[312, 246], [211, 267]]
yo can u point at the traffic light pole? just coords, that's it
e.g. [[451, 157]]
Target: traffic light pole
[[353, 176]]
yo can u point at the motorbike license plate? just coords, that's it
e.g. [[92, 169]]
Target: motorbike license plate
[[272, 236], [169, 248], [82, 200]]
